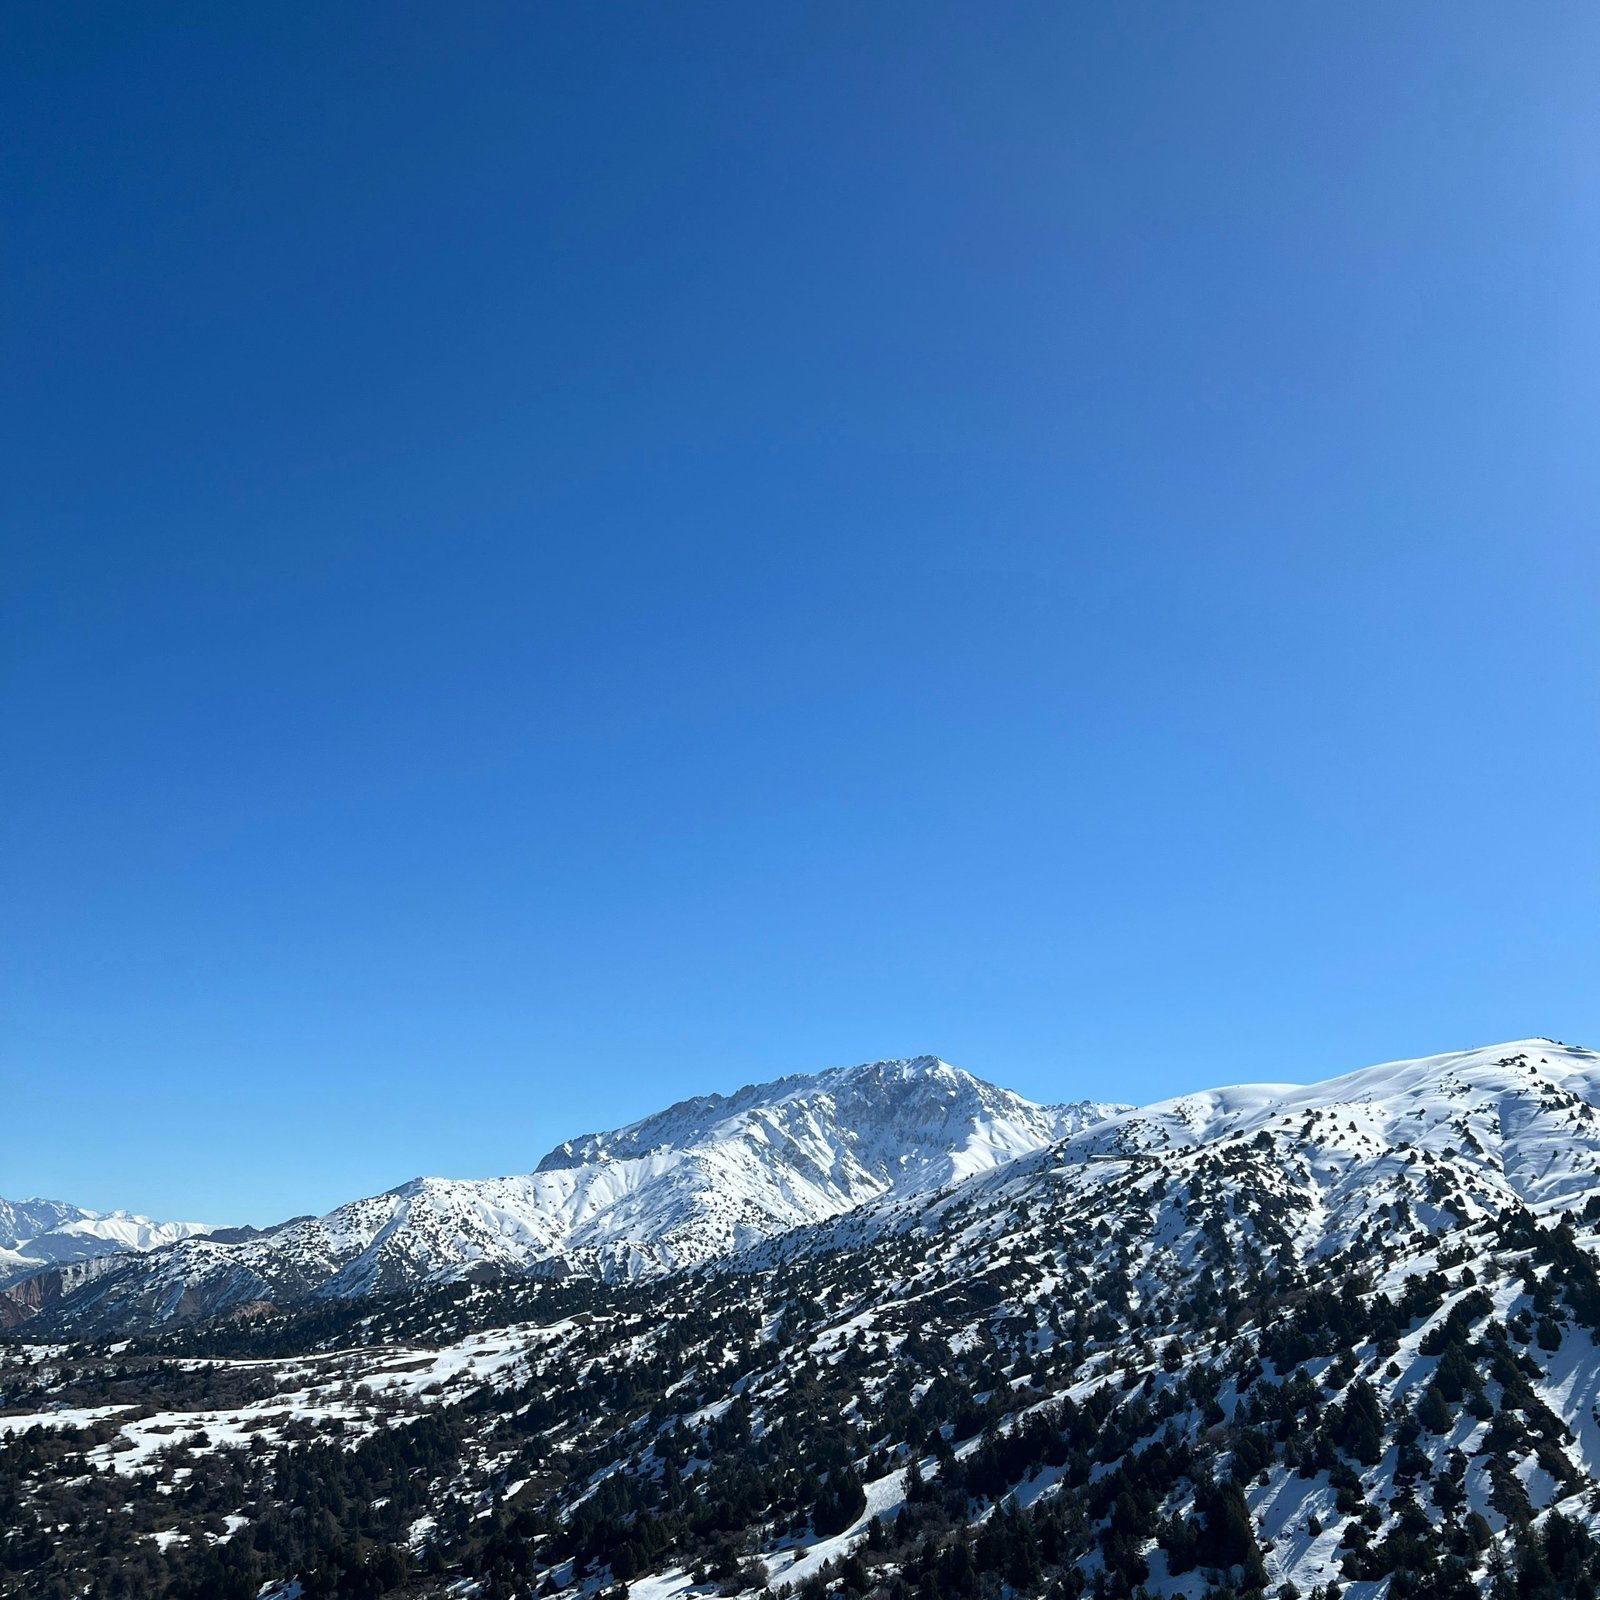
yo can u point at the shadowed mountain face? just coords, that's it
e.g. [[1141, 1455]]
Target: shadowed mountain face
[[703, 1179]]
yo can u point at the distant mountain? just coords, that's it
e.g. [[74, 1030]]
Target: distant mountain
[[40, 1233], [705, 1178]]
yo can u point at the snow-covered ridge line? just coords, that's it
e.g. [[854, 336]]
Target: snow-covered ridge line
[[885, 1146], [37, 1233], [704, 1178]]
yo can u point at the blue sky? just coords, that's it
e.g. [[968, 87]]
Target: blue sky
[[561, 557]]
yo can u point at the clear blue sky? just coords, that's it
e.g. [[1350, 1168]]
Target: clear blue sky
[[558, 557]]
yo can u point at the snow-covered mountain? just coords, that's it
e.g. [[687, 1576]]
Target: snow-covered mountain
[[1398, 1150], [39, 1233], [1460, 1135], [843, 1155], [705, 1178], [1268, 1339]]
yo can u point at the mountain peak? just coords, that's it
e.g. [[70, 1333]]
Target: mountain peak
[[869, 1089]]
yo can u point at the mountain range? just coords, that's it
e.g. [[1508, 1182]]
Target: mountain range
[[35, 1234], [707, 1177], [885, 1333]]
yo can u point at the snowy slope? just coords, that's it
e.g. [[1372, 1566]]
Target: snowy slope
[[704, 1178], [1526, 1109], [1466, 1134], [1388, 1154]]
